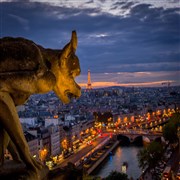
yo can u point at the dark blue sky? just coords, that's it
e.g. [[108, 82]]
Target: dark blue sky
[[122, 42]]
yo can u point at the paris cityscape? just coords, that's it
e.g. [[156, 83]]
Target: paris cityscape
[[102, 125]]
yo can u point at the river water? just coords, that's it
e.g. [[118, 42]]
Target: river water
[[115, 161]]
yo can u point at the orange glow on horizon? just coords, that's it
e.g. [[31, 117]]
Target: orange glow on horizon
[[108, 84]]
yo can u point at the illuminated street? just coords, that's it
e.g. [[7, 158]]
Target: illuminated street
[[87, 150]]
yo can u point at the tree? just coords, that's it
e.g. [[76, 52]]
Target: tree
[[69, 172], [88, 177], [170, 132], [103, 117], [72, 172], [114, 175], [149, 156], [170, 129]]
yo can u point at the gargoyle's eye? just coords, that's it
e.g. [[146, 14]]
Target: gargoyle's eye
[[73, 64], [76, 72]]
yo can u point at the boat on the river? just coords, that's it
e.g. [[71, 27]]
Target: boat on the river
[[94, 158], [124, 167], [87, 165]]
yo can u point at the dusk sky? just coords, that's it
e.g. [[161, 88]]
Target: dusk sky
[[122, 42]]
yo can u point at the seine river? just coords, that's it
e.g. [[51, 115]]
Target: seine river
[[114, 162]]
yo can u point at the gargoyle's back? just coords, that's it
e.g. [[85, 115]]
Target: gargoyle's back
[[19, 54]]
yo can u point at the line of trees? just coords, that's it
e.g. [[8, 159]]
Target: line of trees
[[103, 117], [151, 155], [170, 130]]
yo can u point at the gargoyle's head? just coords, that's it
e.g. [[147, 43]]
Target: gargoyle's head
[[65, 70]]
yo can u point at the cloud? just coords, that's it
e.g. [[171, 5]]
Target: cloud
[[158, 66], [115, 8], [89, 2], [22, 21], [127, 5], [107, 6]]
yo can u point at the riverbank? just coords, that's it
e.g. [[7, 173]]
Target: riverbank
[[98, 154], [100, 160], [171, 161]]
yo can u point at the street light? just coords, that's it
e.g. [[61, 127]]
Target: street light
[[43, 154]]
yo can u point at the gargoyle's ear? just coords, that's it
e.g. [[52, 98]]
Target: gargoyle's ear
[[74, 40], [69, 48]]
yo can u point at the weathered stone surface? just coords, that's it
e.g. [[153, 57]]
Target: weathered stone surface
[[12, 170], [27, 68]]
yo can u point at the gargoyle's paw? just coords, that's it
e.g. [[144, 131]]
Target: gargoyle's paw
[[37, 164], [37, 174], [33, 175]]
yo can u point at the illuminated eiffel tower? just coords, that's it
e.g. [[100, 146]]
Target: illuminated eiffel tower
[[89, 86]]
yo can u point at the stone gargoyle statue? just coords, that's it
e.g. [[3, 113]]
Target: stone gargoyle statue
[[25, 69]]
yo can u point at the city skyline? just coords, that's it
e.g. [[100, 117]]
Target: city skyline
[[123, 43]]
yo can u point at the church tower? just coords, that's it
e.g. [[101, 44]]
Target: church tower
[[89, 86]]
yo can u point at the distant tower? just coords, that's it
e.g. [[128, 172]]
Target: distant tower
[[89, 86]]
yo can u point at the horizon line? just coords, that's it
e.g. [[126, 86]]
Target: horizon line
[[167, 83]]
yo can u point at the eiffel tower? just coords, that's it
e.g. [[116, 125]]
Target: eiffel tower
[[89, 86]]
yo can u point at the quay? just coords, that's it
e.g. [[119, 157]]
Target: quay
[[84, 152], [100, 160], [102, 147]]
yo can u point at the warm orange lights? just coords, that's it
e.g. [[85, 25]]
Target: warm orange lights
[[43, 154]]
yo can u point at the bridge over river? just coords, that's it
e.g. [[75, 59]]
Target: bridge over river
[[132, 136]]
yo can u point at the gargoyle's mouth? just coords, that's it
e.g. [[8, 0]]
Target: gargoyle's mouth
[[70, 95]]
